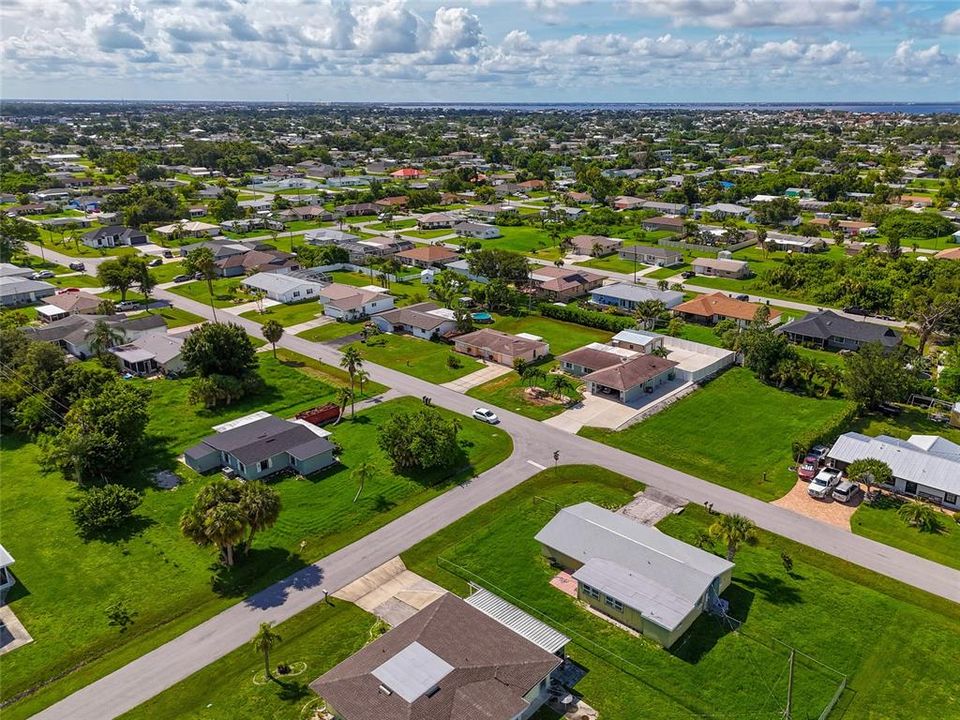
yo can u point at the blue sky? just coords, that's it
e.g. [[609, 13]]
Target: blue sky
[[491, 50]]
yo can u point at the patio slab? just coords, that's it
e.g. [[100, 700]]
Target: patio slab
[[12, 632]]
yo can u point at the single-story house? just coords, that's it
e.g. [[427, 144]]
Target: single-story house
[[627, 296], [426, 256], [262, 444], [113, 236], [671, 223], [355, 209], [68, 303], [695, 361], [651, 255], [711, 309], [627, 202], [924, 466], [435, 221], [475, 659], [665, 208], [72, 332], [561, 284], [330, 236], [501, 347], [192, 228], [795, 243], [28, 209], [627, 381], [719, 211], [477, 231], [827, 329], [348, 302], [641, 341], [851, 228], [11, 270], [284, 287], [151, 353], [389, 204], [7, 579], [425, 320], [308, 212], [16, 290], [257, 261], [949, 253], [635, 574], [596, 245], [722, 267], [593, 357], [489, 212], [407, 173]]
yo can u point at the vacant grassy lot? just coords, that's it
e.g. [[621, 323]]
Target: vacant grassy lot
[[668, 272], [428, 234], [286, 315], [424, 359], [174, 317], [170, 584], [331, 331], [562, 336], [167, 272], [735, 432], [507, 391], [394, 225], [613, 263], [527, 240], [320, 637], [226, 292], [712, 671]]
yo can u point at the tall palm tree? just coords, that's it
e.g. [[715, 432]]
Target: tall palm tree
[[734, 531], [224, 525], [648, 312], [261, 506], [201, 260], [364, 472], [103, 336], [343, 397], [351, 362], [362, 377], [263, 642]]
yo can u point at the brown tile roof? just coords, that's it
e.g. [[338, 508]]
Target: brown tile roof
[[631, 373], [500, 342], [949, 254], [719, 304], [428, 253], [493, 668], [591, 358]]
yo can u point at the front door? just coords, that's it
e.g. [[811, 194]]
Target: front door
[[911, 488]]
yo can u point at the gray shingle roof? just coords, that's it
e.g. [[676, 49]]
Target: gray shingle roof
[[825, 324], [265, 438]]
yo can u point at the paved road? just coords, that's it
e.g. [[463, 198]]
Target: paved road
[[534, 444]]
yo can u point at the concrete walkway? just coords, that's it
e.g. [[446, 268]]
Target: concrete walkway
[[478, 377], [310, 324], [253, 305]]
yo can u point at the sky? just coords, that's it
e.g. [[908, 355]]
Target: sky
[[482, 51]]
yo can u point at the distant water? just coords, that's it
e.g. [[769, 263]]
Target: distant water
[[861, 107]]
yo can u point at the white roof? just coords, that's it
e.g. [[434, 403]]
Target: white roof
[[241, 421], [523, 624], [278, 282], [412, 672], [636, 336], [5, 557], [50, 310], [937, 467], [638, 293]]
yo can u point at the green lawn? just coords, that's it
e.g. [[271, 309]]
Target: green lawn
[[167, 272], [79, 280], [331, 331], [428, 234], [562, 336], [406, 293], [171, 584], [668, 272], [896, 669], [338, 377], [614, 263], [507, 391], [423, 359], [525, 239], [395, 225], [286, 315], [226, 292], [910, 422], [700, 333], [174, 317], [735, 432], [321, 636], [51, 241], [882, 524]]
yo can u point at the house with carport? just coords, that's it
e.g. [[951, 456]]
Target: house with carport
[[425, 320], [629, 380], [500, 347]]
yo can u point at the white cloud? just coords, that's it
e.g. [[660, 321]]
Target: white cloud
[[387, 28], [119, 30], [951, 23], [908, 60], [763, 13], [455, 29]]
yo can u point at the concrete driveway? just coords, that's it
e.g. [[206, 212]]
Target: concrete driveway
[[491, 371], [594, 411], [391, 592]]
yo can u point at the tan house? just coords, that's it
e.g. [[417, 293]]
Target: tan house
[[596, 245], [501, 347], [722, 267], [629, 380], [561, 284], [427, 256], [711, 309]]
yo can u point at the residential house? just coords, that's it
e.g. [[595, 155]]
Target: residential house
[[10, 270], [596, 245], [477, 231], [500, 347], [721, 211], [316, 213], [151, 353], [257, 261], [329, 236], [72, 333], [949, 254], [629, 380], [16, 290], [407, 173], [851, 228], [711, 309], [356, 209], [580, 197], [795, 243], [827, 329], [665, 208], [284, 287], [626, 202], [633, 573], [28, 209], [627, 296], [722, 267], [66, 303], [349, 303], [7, 578], [262, 444], [651, 255], [424, 320], [923, 466], [426, 256], [532, 185], [114, 236], [562, 284], [473, 659], [390, 204], [671, 223], [489, 213], [695, 361], [193, 228], [436, 221], [593, 357]]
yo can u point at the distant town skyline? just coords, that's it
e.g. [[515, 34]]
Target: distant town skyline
[[490, 51]]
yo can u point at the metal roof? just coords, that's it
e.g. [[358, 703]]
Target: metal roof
[[5, 557], [525, 625], [909, 462], [637, 293]]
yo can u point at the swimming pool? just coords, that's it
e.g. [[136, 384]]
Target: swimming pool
[[482, 317]]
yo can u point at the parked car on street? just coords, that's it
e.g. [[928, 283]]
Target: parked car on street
[[127, 305], [856, 310], [687, 274], [487, 416], [846, 491], [182, 278], [823, 483], [78, 266], [742, 296], [42, 275]]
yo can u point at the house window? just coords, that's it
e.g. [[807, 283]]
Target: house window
[[612, 602], [296, 293], [590, 591], [910, 488], [950, 498], [241, 467]]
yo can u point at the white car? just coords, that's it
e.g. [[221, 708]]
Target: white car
[[823, 484], [42, 275], [487, 416]]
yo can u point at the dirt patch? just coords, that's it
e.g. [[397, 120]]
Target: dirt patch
[[539, 396], [828, 511]]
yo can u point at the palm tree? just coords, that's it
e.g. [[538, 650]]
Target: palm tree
[[362, 377], [273, 331], [361, 474], [201, 260], [103, 336], [662, 285], [351, 362], [648, 311], [224, 525], [831, 376], [920, 515], [343, 397], [561, 385], [263, 642], [596, 249], [762, 242], [261, 506], [734, 530]]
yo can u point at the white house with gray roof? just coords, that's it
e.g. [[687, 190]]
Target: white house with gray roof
[[283, 287], [627, 296], [642, 578], [924, 466]]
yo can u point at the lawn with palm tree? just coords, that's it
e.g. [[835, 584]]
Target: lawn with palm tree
[[425, 359], [512, 392]]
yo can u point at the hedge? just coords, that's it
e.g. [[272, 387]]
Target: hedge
[[603, 321], [827, 432]]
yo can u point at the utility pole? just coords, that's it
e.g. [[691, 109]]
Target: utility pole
[[788, 710]]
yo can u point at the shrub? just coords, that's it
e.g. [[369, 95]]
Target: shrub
[[590, 318], [104, 508], [826, 432], [454, 361], [419, 440]]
